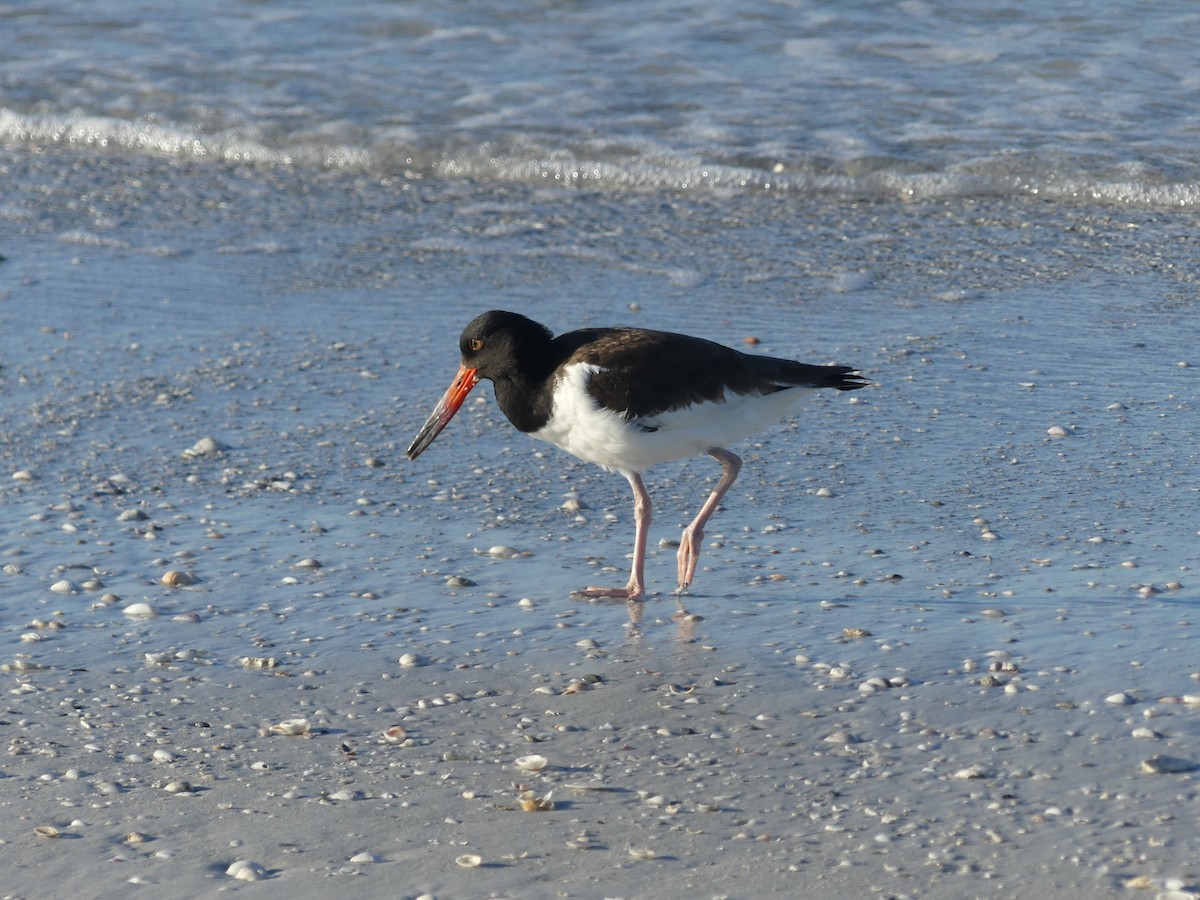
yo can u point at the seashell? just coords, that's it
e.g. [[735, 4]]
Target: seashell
[[502, 552], [1121, 698], [395, 735], [22, 475], [64, 587], [177, 787], [46, 831], [176, 578], [642, 853], [411, 660], [21, 664], [204, 447], [1168, 765], [363, 858], [158, 659], [140, 611], [258, 662], [307, 563], [136, 837], [163, 756], [456, 581], [534, 762], [244, 870], [291, 727], [469, 861], [973, 772], [576, 687], [532, 802]]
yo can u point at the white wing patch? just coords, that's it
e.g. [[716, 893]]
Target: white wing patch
[[579, 425]]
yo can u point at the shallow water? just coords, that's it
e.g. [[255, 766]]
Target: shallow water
[[305, 313]]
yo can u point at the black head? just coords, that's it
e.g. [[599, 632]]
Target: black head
[[500, 344], [503, 346]]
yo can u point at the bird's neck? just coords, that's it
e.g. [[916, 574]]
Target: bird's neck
[[525, 399]]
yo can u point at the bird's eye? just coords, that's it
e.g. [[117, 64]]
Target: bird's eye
[[475, 344]]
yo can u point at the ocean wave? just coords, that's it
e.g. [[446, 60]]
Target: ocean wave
[[615, 165]]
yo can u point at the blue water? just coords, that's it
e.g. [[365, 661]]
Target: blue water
[[1091, 101]]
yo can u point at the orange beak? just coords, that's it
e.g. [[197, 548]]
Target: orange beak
[[464, 381]]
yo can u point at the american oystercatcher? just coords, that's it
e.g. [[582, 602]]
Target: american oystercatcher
[[627, 398]]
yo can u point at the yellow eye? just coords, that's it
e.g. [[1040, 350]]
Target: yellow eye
[[475, 344]]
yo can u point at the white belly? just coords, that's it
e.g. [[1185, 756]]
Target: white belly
[[581, 427]]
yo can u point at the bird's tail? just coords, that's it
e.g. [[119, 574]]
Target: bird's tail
[[841, 378]]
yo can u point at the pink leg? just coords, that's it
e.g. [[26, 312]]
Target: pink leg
[[689, 543], [641, 524]]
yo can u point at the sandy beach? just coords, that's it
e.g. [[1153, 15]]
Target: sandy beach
[[946, 628]]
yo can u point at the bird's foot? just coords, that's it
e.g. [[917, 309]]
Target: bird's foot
[[687, 557], [630, 592]]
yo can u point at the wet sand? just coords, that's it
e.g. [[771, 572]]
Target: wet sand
[[944, 651]]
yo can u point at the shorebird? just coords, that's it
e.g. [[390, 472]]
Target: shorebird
[[626, 399]]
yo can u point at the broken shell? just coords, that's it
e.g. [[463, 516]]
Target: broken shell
[[258, 662], [532, 763], [531, 802], [469, 860], [176, 578], [642, 853], [46, 831]]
